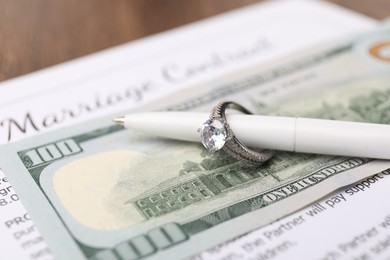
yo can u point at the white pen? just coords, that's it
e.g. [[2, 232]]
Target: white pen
[[270, 132]]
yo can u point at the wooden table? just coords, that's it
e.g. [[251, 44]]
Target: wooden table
[[40, 33]]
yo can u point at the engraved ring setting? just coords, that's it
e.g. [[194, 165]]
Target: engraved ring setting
[[216, 135]]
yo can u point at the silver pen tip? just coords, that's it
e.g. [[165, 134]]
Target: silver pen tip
[[119, 120]]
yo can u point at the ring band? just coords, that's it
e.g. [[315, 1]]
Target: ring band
[[216, 134]]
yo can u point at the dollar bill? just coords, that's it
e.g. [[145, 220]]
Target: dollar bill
[[98, 191]]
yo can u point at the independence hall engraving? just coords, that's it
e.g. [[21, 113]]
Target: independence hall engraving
[[205, 180]]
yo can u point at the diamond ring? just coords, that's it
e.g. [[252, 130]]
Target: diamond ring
[[216, 134]]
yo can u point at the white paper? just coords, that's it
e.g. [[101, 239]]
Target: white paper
[[341, 226], [133, 74], [157, 66]]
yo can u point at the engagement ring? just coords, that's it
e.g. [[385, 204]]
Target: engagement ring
[[216, 134]]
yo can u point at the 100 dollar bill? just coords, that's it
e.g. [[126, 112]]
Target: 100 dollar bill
[[98, 191]]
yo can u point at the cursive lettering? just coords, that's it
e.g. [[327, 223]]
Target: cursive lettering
[[176, 73], [29, 122], [10, 124]]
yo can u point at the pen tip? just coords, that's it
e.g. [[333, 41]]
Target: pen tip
[[119, 120]]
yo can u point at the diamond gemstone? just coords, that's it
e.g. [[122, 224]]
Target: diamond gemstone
[[213, 135]]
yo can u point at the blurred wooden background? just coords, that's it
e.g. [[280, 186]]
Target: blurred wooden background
[[40, 33]]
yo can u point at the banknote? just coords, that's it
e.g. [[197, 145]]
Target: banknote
[[98, 191]]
